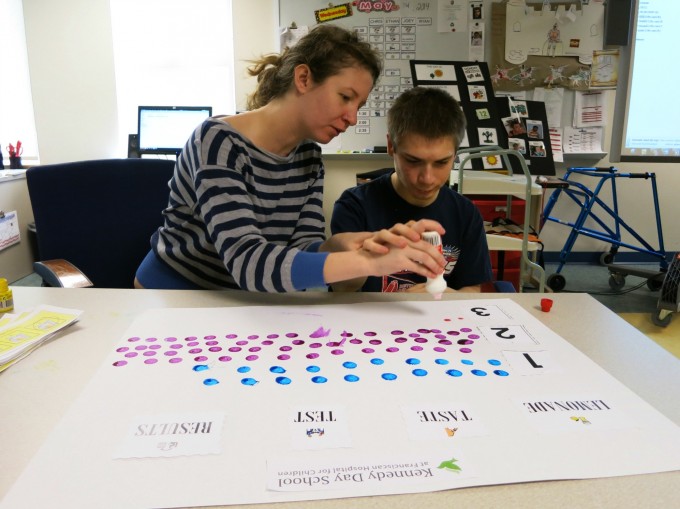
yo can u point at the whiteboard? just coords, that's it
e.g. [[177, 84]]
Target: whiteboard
[[422, 30]]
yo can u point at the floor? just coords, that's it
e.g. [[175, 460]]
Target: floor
[[635, 302]]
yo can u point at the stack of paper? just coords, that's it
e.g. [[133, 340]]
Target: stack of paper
[[21, 333]]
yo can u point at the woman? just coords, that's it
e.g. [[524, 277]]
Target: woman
[[245, 207]]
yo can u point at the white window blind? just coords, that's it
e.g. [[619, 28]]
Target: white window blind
[[172, 53]]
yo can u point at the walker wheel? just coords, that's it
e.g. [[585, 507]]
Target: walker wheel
[[659, 321], [556, 282], [617, 281], [654, 284], [606, 258]]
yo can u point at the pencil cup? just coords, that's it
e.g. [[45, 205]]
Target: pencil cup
[[15, 163]]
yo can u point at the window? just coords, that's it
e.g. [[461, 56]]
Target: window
[[17, 122], [170, 53]]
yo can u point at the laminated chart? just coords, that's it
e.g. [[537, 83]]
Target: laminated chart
[[259, 404]]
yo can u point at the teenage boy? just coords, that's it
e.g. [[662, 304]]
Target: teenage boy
[[425, 127]]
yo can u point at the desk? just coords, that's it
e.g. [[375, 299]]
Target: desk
[[36, 392]]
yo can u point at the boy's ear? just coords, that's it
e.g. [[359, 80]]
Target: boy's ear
[[390, 146], [303, 78]]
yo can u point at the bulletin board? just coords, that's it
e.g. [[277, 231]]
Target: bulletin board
[[524, 127], [402, 31]]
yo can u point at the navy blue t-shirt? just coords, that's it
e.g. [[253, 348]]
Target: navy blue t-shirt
[[376, 205]]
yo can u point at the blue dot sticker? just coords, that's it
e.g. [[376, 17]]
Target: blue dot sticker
[[283, 380], [494, 362], [243, 369], [500, 372], [277, 369], [349, 365], [200, 367], [377, 361], [441, 362], [467, 362], [412, 361], [454, 372], [389, 376], [319, 379], [313, 369], [351, 378], [478, 372], [249, 381], [210, 381], [420, 372]]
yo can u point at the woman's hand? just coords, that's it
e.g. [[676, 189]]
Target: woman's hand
[[400, 235]]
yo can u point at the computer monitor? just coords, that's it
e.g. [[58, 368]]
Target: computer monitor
[[166, 129]]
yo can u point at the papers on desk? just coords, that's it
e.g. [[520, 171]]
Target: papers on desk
[[22, 333]]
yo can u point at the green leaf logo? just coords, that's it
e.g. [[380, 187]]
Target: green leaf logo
[[450, 465]]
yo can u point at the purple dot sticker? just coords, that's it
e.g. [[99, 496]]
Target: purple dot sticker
[[400, 340], [195, 350], [209, 337], [312, 355], [393, 349], [171, 339], [397, 332], [252, 358], [254, 349], [439, 349], [253, 336], [130, 355], [170, 353], [224, 358], [235, 349], [337, 352], [291, 335], [151, 361], [201, 358], [370, 333], [367, 350], [215, 349], [271, 336], [241, 343], [465, 350], [283, 357], [286, 348], [132, 340], [231, 336], [175, 360], [122, 349], [267, 342], [151, 340], [119, 363], [417, 348]]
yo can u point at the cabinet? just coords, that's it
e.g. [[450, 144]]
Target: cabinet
[[16, 261]]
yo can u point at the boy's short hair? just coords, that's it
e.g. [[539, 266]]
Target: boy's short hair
[[427, 111]]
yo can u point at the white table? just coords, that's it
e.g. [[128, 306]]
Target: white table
[[37, 391]]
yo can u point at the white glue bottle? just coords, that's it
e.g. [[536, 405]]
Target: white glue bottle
[[435, 286]]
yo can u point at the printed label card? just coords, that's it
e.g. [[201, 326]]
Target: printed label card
[[172, 435], [319, 427], [444, 421]]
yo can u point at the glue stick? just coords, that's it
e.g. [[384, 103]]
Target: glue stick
[[435, 286], [6, 299]]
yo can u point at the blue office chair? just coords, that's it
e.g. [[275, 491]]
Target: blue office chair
[[96, 216]]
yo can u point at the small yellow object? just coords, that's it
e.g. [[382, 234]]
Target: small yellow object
[[6, 299]]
